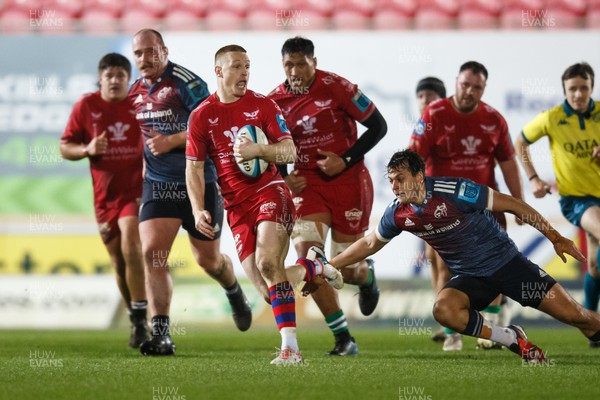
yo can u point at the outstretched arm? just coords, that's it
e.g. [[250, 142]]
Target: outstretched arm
[[358, 251], [504, 203]]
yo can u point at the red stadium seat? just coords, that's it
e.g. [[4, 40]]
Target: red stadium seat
[[353, 14], [71, 8], [264, 19], [181, 19], [223, 20], [234, 6], [112, 7], [394, 14], [479, 14], [17, 20], [24, 4], [156, 8], [316, 7], [436, 14], [521, 14], [196, 7], [272, 15], [134, 19], [57, 22], [565, 14], [99, 21], [592, 19]]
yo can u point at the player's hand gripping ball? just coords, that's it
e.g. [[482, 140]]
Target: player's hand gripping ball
[[254, 167]]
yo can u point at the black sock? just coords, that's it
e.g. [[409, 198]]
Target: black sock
[[233, 289], [137, 311], [343, 336], [595, 337], [160, 325], [474, 324]]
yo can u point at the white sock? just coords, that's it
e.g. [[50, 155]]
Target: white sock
[[288, 338], [502, 335]]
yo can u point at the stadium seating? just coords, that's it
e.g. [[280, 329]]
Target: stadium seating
[[436, 14], [114, 16]]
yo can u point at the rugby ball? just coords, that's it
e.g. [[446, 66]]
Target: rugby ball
[[255, 167]]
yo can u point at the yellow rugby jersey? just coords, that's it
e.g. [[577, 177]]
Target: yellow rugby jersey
[[572, 139]]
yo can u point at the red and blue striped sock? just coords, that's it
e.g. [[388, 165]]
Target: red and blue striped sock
[[284, 309], [312, 268], [284, 304]]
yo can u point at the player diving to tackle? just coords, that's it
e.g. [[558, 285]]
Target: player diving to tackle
[[454, 216]]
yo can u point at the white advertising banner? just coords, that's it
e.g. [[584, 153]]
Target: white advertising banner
[[58, 301]]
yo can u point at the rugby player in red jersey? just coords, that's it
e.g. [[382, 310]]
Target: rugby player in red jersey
[[103, 128], [461, 136], [163, 97], [331, 185], [260, 210]]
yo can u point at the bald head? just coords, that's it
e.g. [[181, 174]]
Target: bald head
[[150, 54]]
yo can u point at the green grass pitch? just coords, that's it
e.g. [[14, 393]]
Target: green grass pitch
[[226, 364]]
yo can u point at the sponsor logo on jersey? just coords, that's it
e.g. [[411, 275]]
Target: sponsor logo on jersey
[[251, 115], [148, 106], [118, 130], [281, 122], [139, 99], [268, 208], [441, 211], [96, 115], [361, 101], [428, 227], [488, 128], [328, 80], [543, 273], [238, 243], [307, 124], [408, 222], [563, 122], [164, 92], [213, 122], [419, 128], [469, 191], [470, 143], [323, 104], [353, 215], [450, 129]]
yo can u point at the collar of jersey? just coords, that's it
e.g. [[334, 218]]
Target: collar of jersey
[[428, 193], [569, 110]]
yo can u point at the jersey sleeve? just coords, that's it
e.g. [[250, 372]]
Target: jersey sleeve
[[196, 147], [505, 150], [192, 92], [387, 228], [276, 128], [422, 135], [470, 196], [354, 102], [537, 128], [74, 131]]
